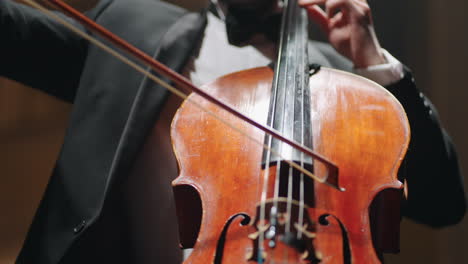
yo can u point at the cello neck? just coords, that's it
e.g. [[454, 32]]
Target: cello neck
[[289, 105]]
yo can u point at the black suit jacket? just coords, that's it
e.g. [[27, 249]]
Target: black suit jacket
[[114, 109]]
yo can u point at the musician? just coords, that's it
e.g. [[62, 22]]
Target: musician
[[85, 215]]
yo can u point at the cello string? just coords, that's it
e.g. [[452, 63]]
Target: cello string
[[291, 78], [301, 202], [302, 161], [272, 117], [266, 178], [292, 39], [288, 209], [284, 34], [293, 32], [159, 81], [262, 221]]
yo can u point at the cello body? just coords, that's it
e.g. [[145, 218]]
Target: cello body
[[356, 123]]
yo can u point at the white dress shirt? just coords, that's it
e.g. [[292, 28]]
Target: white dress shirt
[[215, 57]]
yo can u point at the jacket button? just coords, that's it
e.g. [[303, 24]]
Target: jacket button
[[79, 227]]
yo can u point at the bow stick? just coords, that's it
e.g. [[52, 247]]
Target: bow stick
[[180, 80]]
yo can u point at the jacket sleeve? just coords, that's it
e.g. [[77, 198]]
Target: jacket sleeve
[[37, 51], [435, 184]]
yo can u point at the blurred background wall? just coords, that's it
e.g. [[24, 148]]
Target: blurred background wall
[[430, 36]]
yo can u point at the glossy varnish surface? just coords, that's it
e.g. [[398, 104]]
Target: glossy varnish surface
[[356, 124]]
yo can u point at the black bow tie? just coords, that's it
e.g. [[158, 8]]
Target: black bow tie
[[241, 25]]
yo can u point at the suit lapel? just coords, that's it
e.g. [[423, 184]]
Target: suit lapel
[[174, 51]]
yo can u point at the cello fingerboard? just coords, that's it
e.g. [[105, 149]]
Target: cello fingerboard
[[289, 110]]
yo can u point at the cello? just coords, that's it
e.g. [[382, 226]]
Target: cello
[[248, 204], [286, 216]]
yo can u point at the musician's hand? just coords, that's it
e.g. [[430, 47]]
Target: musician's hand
[[349, 28]]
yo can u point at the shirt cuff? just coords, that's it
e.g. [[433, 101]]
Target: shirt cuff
[[383, 74]]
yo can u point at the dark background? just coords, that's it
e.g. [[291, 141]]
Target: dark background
[[430, 36]]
